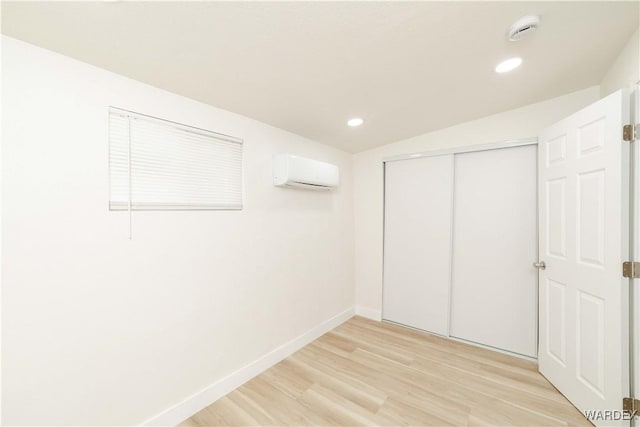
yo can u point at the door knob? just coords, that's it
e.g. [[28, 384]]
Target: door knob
[[540, 265]]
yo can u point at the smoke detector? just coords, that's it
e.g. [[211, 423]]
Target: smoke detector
[[523, 27]]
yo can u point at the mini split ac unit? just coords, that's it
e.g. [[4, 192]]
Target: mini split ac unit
[[295, 171]]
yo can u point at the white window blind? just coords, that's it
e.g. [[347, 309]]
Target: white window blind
[[156, 164]]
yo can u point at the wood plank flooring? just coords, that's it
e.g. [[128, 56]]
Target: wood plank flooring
[[371, 373]]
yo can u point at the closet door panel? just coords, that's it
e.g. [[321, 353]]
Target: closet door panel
[[417, 242], [494, 286]]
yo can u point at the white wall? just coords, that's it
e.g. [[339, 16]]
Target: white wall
[[625, 70], [368, 176], [1, 234], [101, 330]]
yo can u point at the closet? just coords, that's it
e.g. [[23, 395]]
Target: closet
[[460, 237]]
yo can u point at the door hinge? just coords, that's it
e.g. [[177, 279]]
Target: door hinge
[[629, 133], [631, 270], [630, 405]]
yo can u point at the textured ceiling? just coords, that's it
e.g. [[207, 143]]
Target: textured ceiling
[[405, 67]]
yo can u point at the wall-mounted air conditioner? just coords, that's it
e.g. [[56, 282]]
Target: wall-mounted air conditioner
[[296, 171]]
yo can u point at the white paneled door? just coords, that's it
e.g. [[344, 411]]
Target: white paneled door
[[583, 214], [417, 245]]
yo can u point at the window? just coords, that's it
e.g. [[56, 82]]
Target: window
[[156, 164]]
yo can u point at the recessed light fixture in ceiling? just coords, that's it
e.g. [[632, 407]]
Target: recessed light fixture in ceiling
[[523, 27], [508, 65], [356, 121]]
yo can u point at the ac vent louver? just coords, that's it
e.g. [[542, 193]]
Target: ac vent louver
[[523, 27]]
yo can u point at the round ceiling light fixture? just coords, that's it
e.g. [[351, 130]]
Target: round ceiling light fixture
[[356, 121], [508, 65], [523, 27]]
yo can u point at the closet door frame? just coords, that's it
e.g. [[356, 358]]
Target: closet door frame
[[465, 149], [451, 151]]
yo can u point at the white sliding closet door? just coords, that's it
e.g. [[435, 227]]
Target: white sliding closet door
[[494, 296], [417, 254]]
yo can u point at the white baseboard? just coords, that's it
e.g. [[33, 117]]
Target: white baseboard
[[213, 392], [369, 313]]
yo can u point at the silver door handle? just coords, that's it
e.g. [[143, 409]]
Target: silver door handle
[[540, 265]]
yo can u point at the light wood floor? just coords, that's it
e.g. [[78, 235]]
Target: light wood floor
[[371, 373]]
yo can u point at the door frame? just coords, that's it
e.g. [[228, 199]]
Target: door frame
[[453, 151], [634, 244]]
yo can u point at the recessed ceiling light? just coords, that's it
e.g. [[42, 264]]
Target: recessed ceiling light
[[355, 122], [508, 65]]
